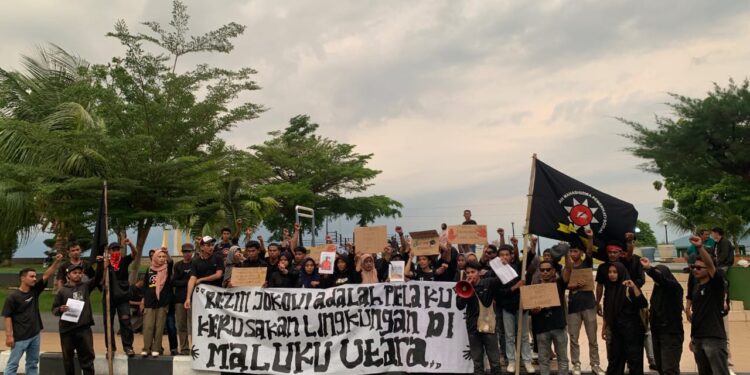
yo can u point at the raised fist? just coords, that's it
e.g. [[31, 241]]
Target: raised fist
[[645, 263], [589, 233], [514, 241], [238, 221], [296, 227], [696, 241], [629, 237], [399, 230], [501, 231]]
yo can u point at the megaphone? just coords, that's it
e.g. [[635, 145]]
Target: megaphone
[[464, 289]]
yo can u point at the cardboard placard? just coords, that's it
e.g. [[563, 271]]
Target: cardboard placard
[[370, 240], [539, 296], [248, 276], [583, 275], [315, 251], [327, 262], [425, 242], [467, 234]]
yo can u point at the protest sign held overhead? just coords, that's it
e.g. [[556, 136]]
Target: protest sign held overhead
[[467, 234], [370, 240], [562, 208], [352, 329], [425, 242]]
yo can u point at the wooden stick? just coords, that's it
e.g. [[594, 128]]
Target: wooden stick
[[110, 364], [520, 317]]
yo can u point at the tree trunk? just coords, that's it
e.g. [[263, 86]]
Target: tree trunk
[[61, 239], [144, 227]]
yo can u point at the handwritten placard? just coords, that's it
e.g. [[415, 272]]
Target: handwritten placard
[[467, 234], [426, 242], [584, 276], [248, 276], [370, 240], [315, 251], [539, 296]]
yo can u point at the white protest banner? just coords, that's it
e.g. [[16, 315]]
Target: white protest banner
[[351, 329]]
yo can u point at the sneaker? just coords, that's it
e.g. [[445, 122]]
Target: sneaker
[[144, 354], [130, 352], [577, 370], [154, 354], [511, 366], [185, 352], [597, 370], [173, 352], [529, 367]]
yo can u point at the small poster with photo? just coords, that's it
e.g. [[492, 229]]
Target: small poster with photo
[[397, 271], [327, 262]]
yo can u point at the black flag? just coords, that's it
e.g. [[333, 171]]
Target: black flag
[[99, 241], [562, 208]]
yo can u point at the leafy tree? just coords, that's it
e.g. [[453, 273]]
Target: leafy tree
[[299, 167], [646, 235], [703, 153], [161, 123]]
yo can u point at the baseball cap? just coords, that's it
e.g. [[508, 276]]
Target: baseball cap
[[74, 267], [187, 247], [114, 245], [207, 239]]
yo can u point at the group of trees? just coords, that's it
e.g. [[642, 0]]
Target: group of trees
[[702, 153], [151, 130]]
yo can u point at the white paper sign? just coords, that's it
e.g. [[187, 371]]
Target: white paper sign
[[327, 262], [396, 271], [75, 308], [505, 272], [413, 327]]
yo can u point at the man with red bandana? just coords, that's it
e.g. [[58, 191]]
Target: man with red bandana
[[119, 296]]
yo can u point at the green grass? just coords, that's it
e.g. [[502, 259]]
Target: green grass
[[46, 299], [17, 267]]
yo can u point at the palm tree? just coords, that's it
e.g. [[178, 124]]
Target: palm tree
[[46, 131]]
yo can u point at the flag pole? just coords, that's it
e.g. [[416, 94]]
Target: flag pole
[[520, 317], [108, 308]]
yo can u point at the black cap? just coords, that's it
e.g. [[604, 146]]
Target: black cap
[[187, 247], [114, 245], [72, 267]]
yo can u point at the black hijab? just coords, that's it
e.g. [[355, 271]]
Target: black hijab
[[614, 293]]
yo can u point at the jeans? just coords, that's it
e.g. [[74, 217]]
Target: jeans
[[510, 323], [80, 342], [153, 328], [648, 344], [480, 343], [31, 348], [667, 352], [711, 356], [184, 323], [545, 340], [588, 318], [172, 328], [122, 310]]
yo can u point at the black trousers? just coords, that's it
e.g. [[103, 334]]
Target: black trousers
[[78, 341], [667, 352], [479, 344], [626, 347], [122, 309]]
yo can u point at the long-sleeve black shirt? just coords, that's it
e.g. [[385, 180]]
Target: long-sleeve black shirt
[[666, 304], [486, 291]]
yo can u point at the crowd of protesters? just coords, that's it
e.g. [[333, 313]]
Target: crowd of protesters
[[161, 299]]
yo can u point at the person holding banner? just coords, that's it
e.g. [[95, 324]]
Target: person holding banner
[[549, 324], [623, 326], [285, 276], [76, 338], [157, 295], [480, 319], [665, 318], [509, 299], [582, 305]]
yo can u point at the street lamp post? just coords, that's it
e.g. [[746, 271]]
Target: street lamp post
[[666, 236]]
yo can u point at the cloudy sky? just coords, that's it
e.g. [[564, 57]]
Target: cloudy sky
[[452, 98]]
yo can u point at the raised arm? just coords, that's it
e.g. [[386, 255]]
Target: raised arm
[[53, 268], [237, 230], [568, 270], [501, 233], [589, 243], [295, 237], [705, 256]]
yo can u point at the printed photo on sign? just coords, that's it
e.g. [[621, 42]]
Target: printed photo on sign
[[397, 270], [327, 261]]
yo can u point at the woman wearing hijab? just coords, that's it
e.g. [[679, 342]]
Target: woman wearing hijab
[[309, 276], [665, 318], [366, 268], [234, 259], [622, 320], [157, 295], [285, 276]]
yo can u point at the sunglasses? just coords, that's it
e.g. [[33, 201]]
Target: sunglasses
[[697, 267], [545, 269]]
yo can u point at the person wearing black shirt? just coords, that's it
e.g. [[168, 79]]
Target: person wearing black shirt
[[23, 322], [482, 338], [207, 268], [76, 339], [180, 278], [285, 276], [74, 255], [665, 318], [468, 221], [623, 327], [549, 324], [708, 337], [446, 266], [582, 307], [509, 300], [119, 297], [422, 271], [157, 295]]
